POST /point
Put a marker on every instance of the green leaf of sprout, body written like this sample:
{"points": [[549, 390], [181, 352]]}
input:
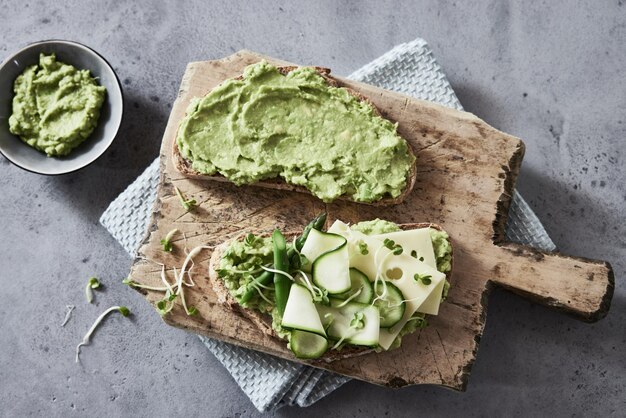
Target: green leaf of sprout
{"points": [[192, 311], [250, 240], [363, 247], [93, 283], [124, 310], [167, 245], [358, 320], [188, 204], [424, 278]]}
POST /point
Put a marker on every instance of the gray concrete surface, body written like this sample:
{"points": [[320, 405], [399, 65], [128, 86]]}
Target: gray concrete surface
{"points": [[550, 73]]}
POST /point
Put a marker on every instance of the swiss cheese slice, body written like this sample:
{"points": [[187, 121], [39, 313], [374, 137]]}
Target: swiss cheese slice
{"points": [[403, 265], [419, 240]]}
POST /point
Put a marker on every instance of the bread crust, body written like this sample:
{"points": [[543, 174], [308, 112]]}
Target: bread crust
{"points": [[183, 165], [264, 321]]}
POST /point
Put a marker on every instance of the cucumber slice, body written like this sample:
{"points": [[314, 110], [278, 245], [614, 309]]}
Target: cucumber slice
{"points": [[359, 282], [337, 322], [318, 243], [392, 306], [331, 270], [300, 312], [307, 345]]}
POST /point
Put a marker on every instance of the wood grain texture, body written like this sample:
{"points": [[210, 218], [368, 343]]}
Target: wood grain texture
{"points": [[466, 174]]}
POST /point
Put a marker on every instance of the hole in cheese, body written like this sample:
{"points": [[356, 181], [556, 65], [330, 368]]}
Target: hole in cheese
{"points": [[394, 273]]}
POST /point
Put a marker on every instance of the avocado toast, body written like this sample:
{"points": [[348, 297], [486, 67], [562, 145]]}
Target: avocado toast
{"points": [[294, 128], [337, 306]]}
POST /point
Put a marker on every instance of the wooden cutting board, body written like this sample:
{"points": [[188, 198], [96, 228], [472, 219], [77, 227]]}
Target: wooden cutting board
{"points": [[466, 175]]}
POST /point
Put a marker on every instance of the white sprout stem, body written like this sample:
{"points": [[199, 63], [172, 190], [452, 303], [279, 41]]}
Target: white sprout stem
{"points": [[68, 314], [330, 322], [341, 340], [170, 234], [345, 302], [262, 295], [89, 292], [284, 273], [190, 283], [179, 288], [380, 275], [179, 194], [164, 279], [395, 305], [185, 249], [262, 286], [307, 282], [85, 340], [414, 318], [143, 286], [179, 276]]}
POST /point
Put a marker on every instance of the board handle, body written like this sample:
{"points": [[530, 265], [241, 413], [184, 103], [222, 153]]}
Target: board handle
{"points": [[577, 286]]}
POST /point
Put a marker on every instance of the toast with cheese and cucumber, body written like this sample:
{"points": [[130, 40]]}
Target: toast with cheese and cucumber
{"points": [[337, 293], [295, 128]]}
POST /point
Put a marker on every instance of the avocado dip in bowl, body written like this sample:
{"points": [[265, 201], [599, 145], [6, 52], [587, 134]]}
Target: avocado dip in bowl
{"points": [[61, 107]]}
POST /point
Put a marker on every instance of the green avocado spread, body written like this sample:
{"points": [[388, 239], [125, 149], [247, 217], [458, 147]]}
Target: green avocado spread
{"points": [[241, 264], [56, 106], [297, 127]]}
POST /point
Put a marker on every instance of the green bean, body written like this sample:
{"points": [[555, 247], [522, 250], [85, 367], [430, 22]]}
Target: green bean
{"points": [[281, 283], [266, 277]]}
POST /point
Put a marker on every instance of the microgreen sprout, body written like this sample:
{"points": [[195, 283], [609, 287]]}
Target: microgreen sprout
{"points": [[390, 244], [424, 278], [297, 260], [328, 320], [353, 296], [414, 254], [167, 241], [320, 295], [358, 320], [422, 322], [176, 289], [121, 309], [129, 282], [93, 283], [188, 204], [284, 273], [356, 323], [363, 247], [68, 314], [251, 240], [180, 283]]}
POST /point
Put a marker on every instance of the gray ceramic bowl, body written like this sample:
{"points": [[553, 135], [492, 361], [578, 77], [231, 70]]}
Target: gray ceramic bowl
{"points": [[80, 57]]}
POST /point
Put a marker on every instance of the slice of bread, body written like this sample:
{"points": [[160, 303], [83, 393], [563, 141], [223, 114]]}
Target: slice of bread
{"points": [[184, 166], [264, 321]]}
